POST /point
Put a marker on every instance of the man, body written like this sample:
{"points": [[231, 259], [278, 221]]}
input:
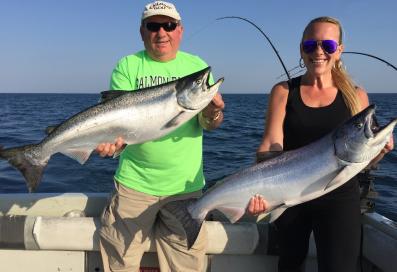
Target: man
{"points": [[152, 174]]}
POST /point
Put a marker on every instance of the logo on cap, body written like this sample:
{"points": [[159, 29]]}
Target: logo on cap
{"points": [[160, 5]]}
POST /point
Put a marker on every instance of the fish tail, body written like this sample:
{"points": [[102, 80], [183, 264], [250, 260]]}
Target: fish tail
{"points": [[192, 226], [23, 159]]}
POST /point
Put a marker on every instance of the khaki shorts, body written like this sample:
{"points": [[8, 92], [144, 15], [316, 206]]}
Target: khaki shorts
{"points": [[131, 218]]}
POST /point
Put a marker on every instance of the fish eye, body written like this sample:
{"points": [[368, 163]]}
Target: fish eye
{"points": [[359, 125], [375, 128], [198, 81]]}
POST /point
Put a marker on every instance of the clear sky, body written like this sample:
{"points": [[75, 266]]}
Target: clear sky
{"points": [[72, 45]]}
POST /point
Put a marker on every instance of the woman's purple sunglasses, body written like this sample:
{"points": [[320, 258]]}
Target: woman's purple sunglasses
{"points": [[329, 46]]}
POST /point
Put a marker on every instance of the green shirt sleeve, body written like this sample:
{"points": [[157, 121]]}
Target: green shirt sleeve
{"points": [[120, 79]]}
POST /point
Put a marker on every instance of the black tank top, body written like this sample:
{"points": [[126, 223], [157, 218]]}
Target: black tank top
{"points": [[303, 124]]}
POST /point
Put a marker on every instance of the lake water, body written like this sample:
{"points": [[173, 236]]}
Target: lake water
{"points": [[24, 117]]}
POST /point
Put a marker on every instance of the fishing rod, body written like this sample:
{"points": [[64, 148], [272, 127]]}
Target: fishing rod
{"points": [[263, 33], [289, 71], [347, 52], [371, 56]]}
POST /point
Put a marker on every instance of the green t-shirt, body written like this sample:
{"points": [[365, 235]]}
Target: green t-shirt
{"points": [[172, 164]]}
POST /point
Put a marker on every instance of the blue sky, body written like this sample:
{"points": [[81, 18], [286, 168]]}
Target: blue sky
{"points": [[72, 45]]}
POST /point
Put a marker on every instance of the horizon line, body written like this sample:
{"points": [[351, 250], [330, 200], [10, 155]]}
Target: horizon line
{"points": [[77, 92]]}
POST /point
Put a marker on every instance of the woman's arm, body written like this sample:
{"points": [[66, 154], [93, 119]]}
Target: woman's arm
{"points": [[272, 139]]}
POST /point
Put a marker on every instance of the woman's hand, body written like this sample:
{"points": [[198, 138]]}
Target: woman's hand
{"points": [[257, 205], [388, 147]]}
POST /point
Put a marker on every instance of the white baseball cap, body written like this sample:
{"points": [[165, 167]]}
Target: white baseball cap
{"points": [[160, 8]]}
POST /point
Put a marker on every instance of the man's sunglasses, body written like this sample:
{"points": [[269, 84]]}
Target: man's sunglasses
{"points": [[329, 46], [168, 26]]}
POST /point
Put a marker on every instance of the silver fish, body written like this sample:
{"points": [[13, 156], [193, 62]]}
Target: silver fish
{"points": [[138, 116], [294, 176]]}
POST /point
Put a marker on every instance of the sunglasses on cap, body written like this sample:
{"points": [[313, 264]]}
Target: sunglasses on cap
{"points": [[329, 46], [154, 27]]}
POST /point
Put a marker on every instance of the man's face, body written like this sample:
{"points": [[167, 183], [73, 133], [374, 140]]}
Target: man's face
{"points": [[161, 45]]}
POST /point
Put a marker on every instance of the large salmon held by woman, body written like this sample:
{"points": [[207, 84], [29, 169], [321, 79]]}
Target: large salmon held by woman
{"points": [[293, 177]]}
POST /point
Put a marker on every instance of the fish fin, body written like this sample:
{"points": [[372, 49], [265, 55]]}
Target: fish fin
{"points": [[21, 159], [336, 179], [118, 152], [80, 155], [345, 174], [262, 216], [232, 213], [276, 213], [316, 194], [305, 198], [109, 95], [50, 129], [175, 121], [191, 226]]}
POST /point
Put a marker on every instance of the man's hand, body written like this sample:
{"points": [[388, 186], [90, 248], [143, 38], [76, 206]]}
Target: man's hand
{"points": [[108, 149], [211, 116], [257, 205], [212, 110]]}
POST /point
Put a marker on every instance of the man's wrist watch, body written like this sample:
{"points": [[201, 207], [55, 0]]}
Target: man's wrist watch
{"points": [[209, 120]]}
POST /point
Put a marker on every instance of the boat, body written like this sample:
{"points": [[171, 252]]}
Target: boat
{"points": [[59, 232]]}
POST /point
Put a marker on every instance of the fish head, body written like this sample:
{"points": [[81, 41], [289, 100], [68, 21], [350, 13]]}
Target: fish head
{"points": [[194, 91], [361, 139]]}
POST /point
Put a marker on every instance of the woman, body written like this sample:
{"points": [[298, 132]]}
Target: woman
{"points": [[300, 112]]}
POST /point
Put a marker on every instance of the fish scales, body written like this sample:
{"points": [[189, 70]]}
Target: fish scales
{"points": [[294, 177], [137, 116]]}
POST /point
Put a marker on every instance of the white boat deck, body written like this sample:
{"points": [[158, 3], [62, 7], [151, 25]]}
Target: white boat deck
{"points": [[39, 232]]}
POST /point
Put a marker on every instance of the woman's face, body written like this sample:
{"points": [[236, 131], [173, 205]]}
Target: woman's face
{"points": [[319, 62]]}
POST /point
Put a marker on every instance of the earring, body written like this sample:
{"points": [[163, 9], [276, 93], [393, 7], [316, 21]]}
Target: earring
{"points": [[301, 63], [338, 64]]}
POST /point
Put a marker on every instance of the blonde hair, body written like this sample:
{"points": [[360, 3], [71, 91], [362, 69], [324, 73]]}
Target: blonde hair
{"points": [[340, 76]]}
